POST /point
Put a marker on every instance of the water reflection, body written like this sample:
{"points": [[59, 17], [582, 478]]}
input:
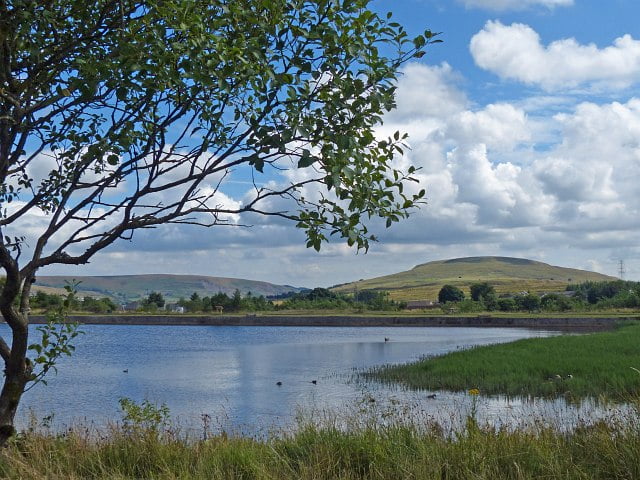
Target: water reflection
{"points": [[230, 373]]}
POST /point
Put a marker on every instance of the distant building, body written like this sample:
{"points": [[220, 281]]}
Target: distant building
{"points": [[566, 293], [131, 306], [421, 305], [174, 308]]}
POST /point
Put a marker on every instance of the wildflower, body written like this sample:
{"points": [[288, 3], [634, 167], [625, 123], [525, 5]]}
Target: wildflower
{"points": [[474, 391]]}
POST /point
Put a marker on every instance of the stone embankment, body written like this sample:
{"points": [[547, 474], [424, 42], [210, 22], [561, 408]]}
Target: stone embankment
{"points": [[350, 321]]}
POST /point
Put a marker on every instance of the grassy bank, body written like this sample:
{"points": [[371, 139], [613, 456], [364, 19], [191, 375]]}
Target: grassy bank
{"points": [[588, 365], [600, 451]]}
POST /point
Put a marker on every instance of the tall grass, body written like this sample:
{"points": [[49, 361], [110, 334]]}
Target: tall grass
{"points": [[576, 366], [398, 451]]}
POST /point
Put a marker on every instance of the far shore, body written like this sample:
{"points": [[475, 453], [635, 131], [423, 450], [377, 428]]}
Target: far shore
{"points": [[603, 322]]}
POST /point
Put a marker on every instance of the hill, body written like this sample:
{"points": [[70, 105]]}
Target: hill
{"points": [[172, 287], [506, 274]]}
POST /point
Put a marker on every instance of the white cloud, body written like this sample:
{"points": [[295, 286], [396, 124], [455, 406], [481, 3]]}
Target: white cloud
{"points": [[498, 126], [515, 52], [503, 5], [599, 156], [428, 92]]}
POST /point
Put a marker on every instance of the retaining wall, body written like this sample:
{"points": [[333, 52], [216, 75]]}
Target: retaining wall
{"points": [[349, 321]]}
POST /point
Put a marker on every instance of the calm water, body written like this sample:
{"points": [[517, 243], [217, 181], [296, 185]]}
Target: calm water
{"points": [[230, 373]]}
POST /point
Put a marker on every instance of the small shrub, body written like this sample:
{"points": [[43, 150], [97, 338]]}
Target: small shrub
{"points": [[144, 416]]}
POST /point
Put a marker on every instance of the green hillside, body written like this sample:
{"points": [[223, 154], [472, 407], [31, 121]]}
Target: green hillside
{"points": [[506, 274], [172, 287]]}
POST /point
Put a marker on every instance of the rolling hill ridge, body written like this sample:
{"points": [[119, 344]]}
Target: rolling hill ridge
{"points": [[506, 274], [134, 287]]}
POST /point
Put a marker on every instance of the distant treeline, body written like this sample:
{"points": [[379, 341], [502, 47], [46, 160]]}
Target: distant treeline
{"points": [[51, 301], [230, 304], [616, 294], [325, 299], [316, 299], [587, 296]]}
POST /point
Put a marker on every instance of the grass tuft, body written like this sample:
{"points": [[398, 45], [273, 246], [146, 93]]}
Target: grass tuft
{"points": [[599, 451]]}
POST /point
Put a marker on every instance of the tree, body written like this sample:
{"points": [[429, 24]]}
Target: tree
{"points": [[95, 305], [236, 301], [529, 302], [481, 290], [206, 304], [142, 109], [507, 305], [195, 303], [554, 302], [155, 299], [450, 293]]}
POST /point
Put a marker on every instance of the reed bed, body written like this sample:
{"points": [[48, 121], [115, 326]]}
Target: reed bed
{"points": [[605, 364]]}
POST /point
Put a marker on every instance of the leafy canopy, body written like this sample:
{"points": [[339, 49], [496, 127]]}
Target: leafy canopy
{"points": [[450, 293], [481, 291], [141, 110]]}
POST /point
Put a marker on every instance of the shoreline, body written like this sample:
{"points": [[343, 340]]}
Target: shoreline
{"points": [[254, 320]]}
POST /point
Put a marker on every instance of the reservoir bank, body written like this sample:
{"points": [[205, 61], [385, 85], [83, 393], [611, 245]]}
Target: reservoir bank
{"points": [[257, 320]]}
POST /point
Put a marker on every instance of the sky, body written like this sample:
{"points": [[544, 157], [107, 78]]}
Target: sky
{"points": [[525, 122]]}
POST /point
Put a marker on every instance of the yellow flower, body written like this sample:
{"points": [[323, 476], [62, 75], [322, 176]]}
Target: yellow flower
{"points": [[474, 391]]}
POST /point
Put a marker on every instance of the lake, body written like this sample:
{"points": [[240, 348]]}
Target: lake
{"points": [[231, 373]]}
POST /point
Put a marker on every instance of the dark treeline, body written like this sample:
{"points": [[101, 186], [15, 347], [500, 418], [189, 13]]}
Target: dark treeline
{"points": [[325, 299], [234, 303], [51, 301], [587, 296], [316, 299], [616, 294]]}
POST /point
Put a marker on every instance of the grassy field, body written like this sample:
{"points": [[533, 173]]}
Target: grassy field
{"points": [[507, 275], [429, 290], [599, 451], [502, 286], [598, 364]]}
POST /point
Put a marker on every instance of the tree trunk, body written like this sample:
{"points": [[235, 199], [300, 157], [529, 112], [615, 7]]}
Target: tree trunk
{"points": [[18, 368], [17, 374], [12, 390]]}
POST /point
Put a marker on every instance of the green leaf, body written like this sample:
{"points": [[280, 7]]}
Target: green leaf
{"points": [[122, 93], [419, 41], [306, 160], [257, 162]]}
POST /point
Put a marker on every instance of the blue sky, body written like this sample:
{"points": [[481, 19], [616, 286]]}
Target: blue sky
{"points": [[526, 123]]}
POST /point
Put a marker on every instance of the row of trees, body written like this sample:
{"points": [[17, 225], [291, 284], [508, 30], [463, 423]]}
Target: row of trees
{"points": [[584, 296], [325, 299], [234, 303], [206, 304], [316, 299], [616, 294], [51, 302]]}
